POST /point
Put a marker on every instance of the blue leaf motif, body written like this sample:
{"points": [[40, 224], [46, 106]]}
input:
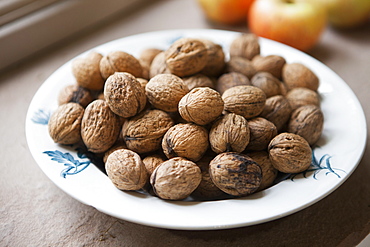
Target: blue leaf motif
{"points": [[41, 117]]}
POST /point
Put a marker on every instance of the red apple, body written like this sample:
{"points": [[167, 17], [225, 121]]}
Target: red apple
{"points": [[293, 22], [227, 12]]}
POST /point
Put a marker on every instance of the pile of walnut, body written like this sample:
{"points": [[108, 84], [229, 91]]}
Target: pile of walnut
{"points": [[189, 122]]}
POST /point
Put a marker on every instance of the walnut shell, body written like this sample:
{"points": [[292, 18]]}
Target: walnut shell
{"points": [[164, 91], [175, 179], [307, 121], [65, 123], [186, 56], [201, 105], [153, 161], [198, 80], [235, 174], [215, 59], [229, 133], [269, 172], [75, 94], [301, 96], [100, 127], [120, 61], [124, 94], [277, 110], [290, 153], [144, 132], [87, 71], [187, 140], [158, 65], [126, 170], [147, 55], [272, 63], [269, 84], [261, 133], [116, 146], [247, 101], [298, 75], [231, 79], [245, 45], [241, 65]]}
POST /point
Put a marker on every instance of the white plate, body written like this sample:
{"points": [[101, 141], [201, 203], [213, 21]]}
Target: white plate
{"points": [[340, 150]]}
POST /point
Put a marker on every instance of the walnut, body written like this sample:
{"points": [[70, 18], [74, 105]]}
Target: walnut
{"points": [[158, 66], [277, 110], [231, 79], [235, 174], [126, 170], [124, 94], [261, 133], [301, 96], [147, 55], [307, 121], [229, 133], [245, 45], [75, 94], [198, 80], [65, 123], [100, 127], [118, 145], [144, 132], [187, 140], [175, 179], [290, 153], [241, 65], [271, 63], [87, 71], [215, 59], [201, 105], [298, 75], [153, 161], [186, 56], [207, 190], [142, 82], [164, 91], [247, 101], [119, 61], [269, 172], [269, 84]]}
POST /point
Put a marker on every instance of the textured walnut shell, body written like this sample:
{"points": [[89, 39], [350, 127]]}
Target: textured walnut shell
{"points": [[269, 84], [277, 110], [201, 105], [186, 56], [144, 132], [241, 65], [147, 55], [164, 91], [269, 172], [235, 174], [301, 96], [124, 94], [307, 121], [229, 133], [215, 59], [298, 75], [119, 61], [261, 133], [207, 190], [198, 80], [65, 123], [247, 101], [100, 127], [87, 71], [158, 65], [290, 153], [153, 161], [116, 146], [245, 45], [126, 170], [175, 179], [187, 140], [229, 80], [75, 94], [272, 63]]}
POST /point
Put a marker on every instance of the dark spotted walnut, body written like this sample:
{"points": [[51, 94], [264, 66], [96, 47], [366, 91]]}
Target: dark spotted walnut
{"points": [[75, 94], [235, 174]]}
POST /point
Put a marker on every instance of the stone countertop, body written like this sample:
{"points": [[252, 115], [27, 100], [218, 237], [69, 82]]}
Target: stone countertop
{"points": [[34, 212]]}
